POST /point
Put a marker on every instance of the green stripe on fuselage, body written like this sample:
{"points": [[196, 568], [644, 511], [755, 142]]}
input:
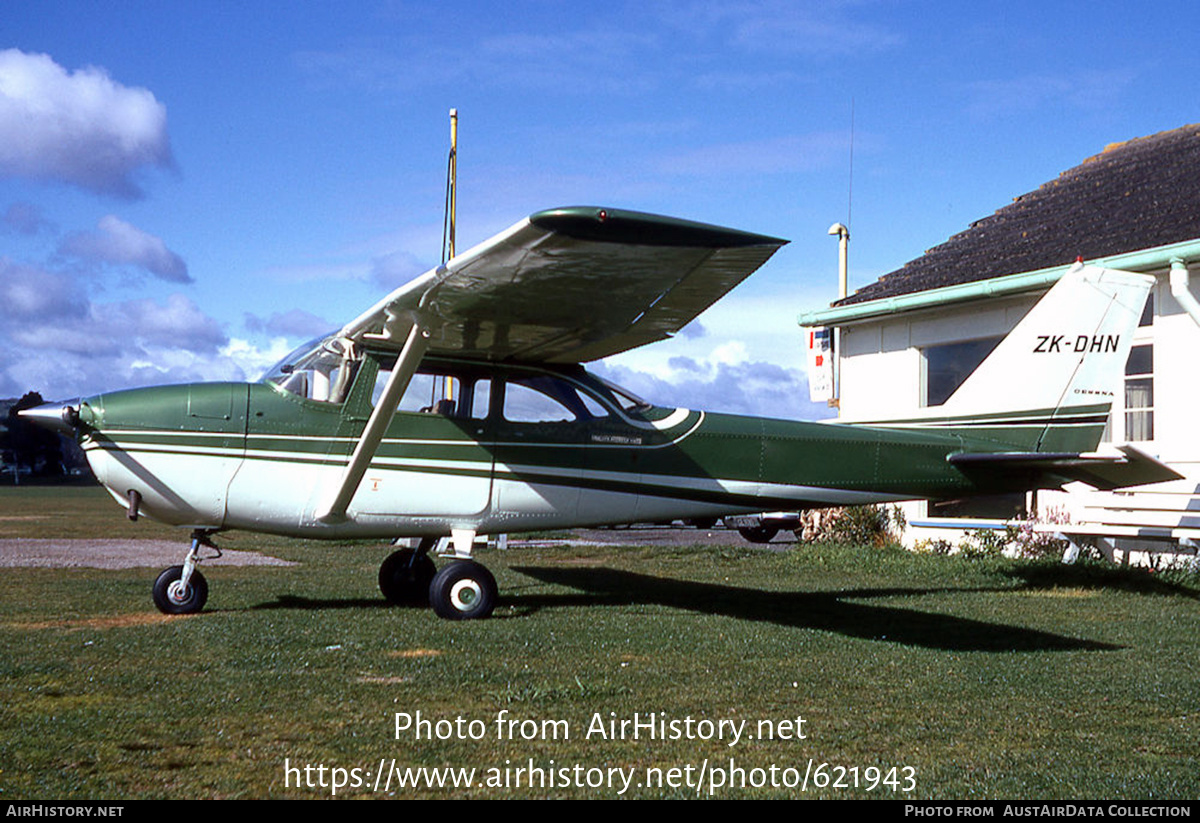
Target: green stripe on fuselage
{"points": [[692, 460]]}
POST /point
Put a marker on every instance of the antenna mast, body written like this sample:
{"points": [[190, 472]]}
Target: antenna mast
{"points": [[448, 225]]}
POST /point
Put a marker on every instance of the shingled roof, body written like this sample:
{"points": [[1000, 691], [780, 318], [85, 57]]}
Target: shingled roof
{"points": [[1134, 195]]}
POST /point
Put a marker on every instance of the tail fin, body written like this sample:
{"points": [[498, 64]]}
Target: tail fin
{"points": [[1049, 385]]}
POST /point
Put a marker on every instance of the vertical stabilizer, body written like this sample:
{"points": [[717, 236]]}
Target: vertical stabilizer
{"points": [[1049, 385], [1064, 362]]}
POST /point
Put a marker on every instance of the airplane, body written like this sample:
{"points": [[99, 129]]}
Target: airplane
{"points": [[458, 406]]}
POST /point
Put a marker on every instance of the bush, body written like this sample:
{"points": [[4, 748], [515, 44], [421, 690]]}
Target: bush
{"points": [[1032, 545], [856, 526], [984, 543], [928, 545]]}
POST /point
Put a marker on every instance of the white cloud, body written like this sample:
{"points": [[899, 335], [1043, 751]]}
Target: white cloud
{"points": [[730, 353], [723, 380], [32, 295], [80, 127], [821, 33], [1087, 90], [792, 153], [317, 273], [119, 243], [25, 218], [176, 324], [395, 269], [293, 323], [67, 321], [59, 342], [254, 360], [821, 30], [756, 389], [603, 59]]}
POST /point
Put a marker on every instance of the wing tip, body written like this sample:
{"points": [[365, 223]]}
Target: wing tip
{"points": [[607, 225]]}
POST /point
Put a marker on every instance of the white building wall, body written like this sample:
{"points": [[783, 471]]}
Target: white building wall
{"points": [[1176, 340], [882, 366]]}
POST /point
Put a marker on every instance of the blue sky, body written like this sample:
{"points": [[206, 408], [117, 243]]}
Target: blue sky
{"points": [[187, 190]]}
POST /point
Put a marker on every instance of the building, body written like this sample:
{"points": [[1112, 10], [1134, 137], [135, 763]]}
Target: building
{"points": [[909, 339]]}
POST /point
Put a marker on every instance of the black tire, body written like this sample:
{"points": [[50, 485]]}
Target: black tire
{"points": [[170, 600], [463, 590], [404, 579], [759, 534]]}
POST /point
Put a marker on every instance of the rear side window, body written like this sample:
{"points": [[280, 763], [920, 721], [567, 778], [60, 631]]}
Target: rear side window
{"points": [[545, 398]]}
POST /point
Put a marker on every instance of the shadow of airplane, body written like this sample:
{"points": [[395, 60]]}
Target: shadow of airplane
{"points": [[825, 611], [834, 611]]}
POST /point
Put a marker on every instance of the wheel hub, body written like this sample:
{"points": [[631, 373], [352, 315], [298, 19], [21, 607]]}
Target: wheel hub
{"points": [[178, 593], [464, 594]]}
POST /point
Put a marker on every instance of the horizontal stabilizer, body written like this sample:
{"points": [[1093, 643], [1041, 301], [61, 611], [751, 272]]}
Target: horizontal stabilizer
{"points": [[1129, 467]]}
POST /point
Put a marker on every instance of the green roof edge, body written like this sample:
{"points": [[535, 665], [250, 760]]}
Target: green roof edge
{"points": [[1144, 260]]}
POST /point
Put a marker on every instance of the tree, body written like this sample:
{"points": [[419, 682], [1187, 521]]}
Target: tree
{"points": [[30, 446]]}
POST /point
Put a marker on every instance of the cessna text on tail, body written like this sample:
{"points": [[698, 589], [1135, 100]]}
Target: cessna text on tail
{"points": [[458, 406]]}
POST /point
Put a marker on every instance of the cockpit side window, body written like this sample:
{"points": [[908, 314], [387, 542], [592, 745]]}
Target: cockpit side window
{"points": [[447, 392]]}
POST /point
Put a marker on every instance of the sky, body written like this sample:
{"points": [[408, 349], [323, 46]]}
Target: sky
{"points": [[189, 190]]}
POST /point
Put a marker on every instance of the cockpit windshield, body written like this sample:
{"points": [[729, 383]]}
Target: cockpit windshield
{"points": [[322, 369]]}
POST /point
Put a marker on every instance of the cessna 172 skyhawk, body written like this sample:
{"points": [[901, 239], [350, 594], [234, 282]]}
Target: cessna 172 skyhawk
{"points": [[457, 406]]}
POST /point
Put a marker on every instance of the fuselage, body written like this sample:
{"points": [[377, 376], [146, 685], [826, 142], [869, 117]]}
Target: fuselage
{"points": [[517, 448]]}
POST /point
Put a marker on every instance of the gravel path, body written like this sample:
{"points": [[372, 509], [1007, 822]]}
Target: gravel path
{"points": [[116, 554], [663, 536], [130, 554]]}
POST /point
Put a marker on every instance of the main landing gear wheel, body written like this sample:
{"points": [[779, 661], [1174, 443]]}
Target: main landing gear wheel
{"points": [[463, 590], [172, 597], [405, 576], [759, 534]]}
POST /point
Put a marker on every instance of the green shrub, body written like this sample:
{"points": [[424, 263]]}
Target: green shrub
{"points": [[928, 545], [981, 543], [861, 526]]}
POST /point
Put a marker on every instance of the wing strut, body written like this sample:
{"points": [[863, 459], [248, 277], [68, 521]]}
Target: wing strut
{"points": [[406, 366]]}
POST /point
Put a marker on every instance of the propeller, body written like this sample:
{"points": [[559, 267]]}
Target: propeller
{"points": [[61, 416]]}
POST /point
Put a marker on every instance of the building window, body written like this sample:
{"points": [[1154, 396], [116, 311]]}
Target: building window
{"points": [[1147, 312], [1139, 394], [982, 507], [948, 366]]}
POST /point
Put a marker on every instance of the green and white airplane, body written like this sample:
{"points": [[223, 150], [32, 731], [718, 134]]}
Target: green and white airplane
{"points": [[457, 406]]}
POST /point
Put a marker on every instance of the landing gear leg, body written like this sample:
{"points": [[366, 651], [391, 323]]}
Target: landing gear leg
{"points": [[405, 575], [463, 589], [183, 589]]}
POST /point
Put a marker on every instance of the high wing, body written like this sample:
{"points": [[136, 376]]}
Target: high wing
{"points": [[562, 286], [568, 285]]}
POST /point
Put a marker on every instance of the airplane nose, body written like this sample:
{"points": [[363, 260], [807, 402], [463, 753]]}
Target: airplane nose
{"points": [[60, 417]]}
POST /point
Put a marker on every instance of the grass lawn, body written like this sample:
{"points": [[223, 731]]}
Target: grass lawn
{"points": [[953, 678]]}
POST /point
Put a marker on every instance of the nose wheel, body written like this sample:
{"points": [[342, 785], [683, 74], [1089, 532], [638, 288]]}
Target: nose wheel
{"points": [[182, 589], [173, 596]]}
